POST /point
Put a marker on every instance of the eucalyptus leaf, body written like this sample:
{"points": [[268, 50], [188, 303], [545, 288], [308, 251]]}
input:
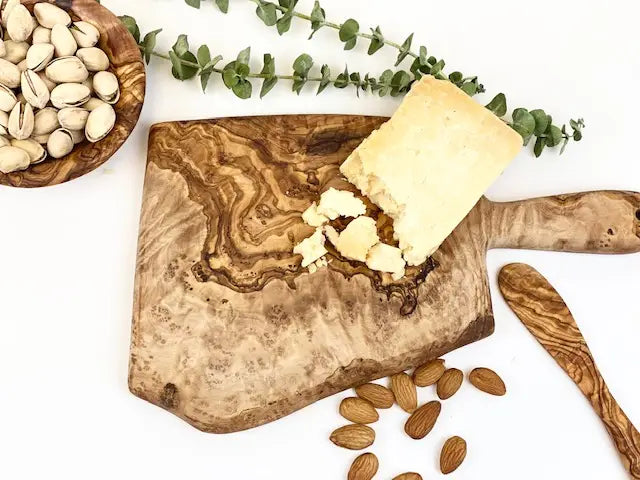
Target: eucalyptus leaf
{"points": [[455, 77], [523, 123], [405, 48], [498, 105], [193, 3], [553, 136], [244, 56], [318, 18], [284, 23], [149, 44], [242, 89], [267, 13], [377, 42], [342, 80], [180, 70], [542, 121], [204, 80], [203, 56], [229, 75], [325, 71], [470, 88], [267, 85], [303, 64], [349, 30], [539, 146], [349, 44], [269, 65], [223, 5], [298, 83], [132, 26], [181, 46]]}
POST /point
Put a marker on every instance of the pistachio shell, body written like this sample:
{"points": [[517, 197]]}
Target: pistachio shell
{"points": [[19, 24], [50, 85], [92, 104], [9, 74], [49, 15], [35, 151], [15, 52], [93, 58], [70, 95], [6, 11], [63, 41], [4, 141], [89, 84], [3, 49], [34, 89], [39, 56], [105, 84], [8, 99], [21, 121], [22, 66], [73, 118], [13, 159], [100, 123], [77, 135], [4, 123], [86, 34], [67, 70], [41, 35], [60, 143], [21, 99], [45, 121], [41, 139]]}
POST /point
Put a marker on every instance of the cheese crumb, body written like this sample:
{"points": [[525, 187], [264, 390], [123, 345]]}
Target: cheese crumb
{"points": [[386, 258], [356, 240], [312, 217], [311, 248], [340, 203]]}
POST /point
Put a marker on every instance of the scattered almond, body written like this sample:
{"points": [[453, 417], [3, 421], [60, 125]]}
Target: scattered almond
{"points": [[405, 392], [353, 437], [488, 381], [449, 383], [421, 422], [408, 476], [364, 467], [358, 410], [429, 373], [453, 453], [379, 396]]}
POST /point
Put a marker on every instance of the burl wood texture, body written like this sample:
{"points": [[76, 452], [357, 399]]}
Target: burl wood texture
{"points": [[548, 318], [229, 332], [127, 65]]}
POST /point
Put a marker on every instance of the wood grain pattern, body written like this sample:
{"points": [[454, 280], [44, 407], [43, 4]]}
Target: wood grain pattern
{"points": [[548, 318], [127, 65], [229, 332]]}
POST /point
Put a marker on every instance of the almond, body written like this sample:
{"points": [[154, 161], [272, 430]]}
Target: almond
{"points": [[353, 437], [429, 373], [364, 467], [408, 476], [488, 381], [379, 396], [405, 392], [449, 383], [453, 453], [421, 422], [358, 410]]}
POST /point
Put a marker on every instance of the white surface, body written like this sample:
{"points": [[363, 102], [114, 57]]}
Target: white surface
{"points": [[68, 254]]}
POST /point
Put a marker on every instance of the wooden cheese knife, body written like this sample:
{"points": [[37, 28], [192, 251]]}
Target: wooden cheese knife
{"points": [[547, 317]]}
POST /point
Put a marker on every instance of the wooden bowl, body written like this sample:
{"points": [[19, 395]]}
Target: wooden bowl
{"points": [[127, 65]]}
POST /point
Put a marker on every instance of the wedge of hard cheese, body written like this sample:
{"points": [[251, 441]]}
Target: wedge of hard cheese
{"points": [[430, 163]]}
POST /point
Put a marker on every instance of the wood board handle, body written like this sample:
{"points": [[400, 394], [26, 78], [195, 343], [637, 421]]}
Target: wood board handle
{"points": [[590, 222], [547, 317]]}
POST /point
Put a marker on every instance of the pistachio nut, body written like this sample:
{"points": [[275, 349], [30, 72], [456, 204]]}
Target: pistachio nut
{"points": [[41, 35], [63, 41], [41, 139], [3, 49], [34, 89], [13, 159], [45, 121], [9, 74], [60, 143], [4, 141], [92, 104], [22, 66], [8, 99], [67, 70], [39, 55], [89, 84], [93, 58], [50, 85], [70, 95], [15, 52], [21, 121], [49, 15], [4, 123], [6, 11], [105, 84], [86, 34], [21, 98], [73, 118], [35, 151], [100, 123], [19, 24], [77, 135]]}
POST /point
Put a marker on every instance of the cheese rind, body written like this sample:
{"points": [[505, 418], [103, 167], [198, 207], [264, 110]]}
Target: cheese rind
{"points": [[386, 258], [312, 217], [429, 165], [340, 203], [355, 241], [311, 248]]}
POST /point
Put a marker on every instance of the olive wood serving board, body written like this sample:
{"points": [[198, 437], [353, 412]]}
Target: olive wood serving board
{"points": [[230, 333], [541, 309]]}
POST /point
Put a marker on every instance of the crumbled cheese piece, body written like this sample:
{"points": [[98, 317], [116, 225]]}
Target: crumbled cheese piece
{"points": [[311, 248], [429, 165], [355, 241], [331, 234], [386, 258], [340, 203], [312, 217]]}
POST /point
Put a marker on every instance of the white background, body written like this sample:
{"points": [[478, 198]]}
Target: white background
{"points": [[67, 257]]}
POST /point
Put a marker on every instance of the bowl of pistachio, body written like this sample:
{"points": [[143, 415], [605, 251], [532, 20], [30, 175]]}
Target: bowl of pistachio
{"points": [[72, 84]]}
